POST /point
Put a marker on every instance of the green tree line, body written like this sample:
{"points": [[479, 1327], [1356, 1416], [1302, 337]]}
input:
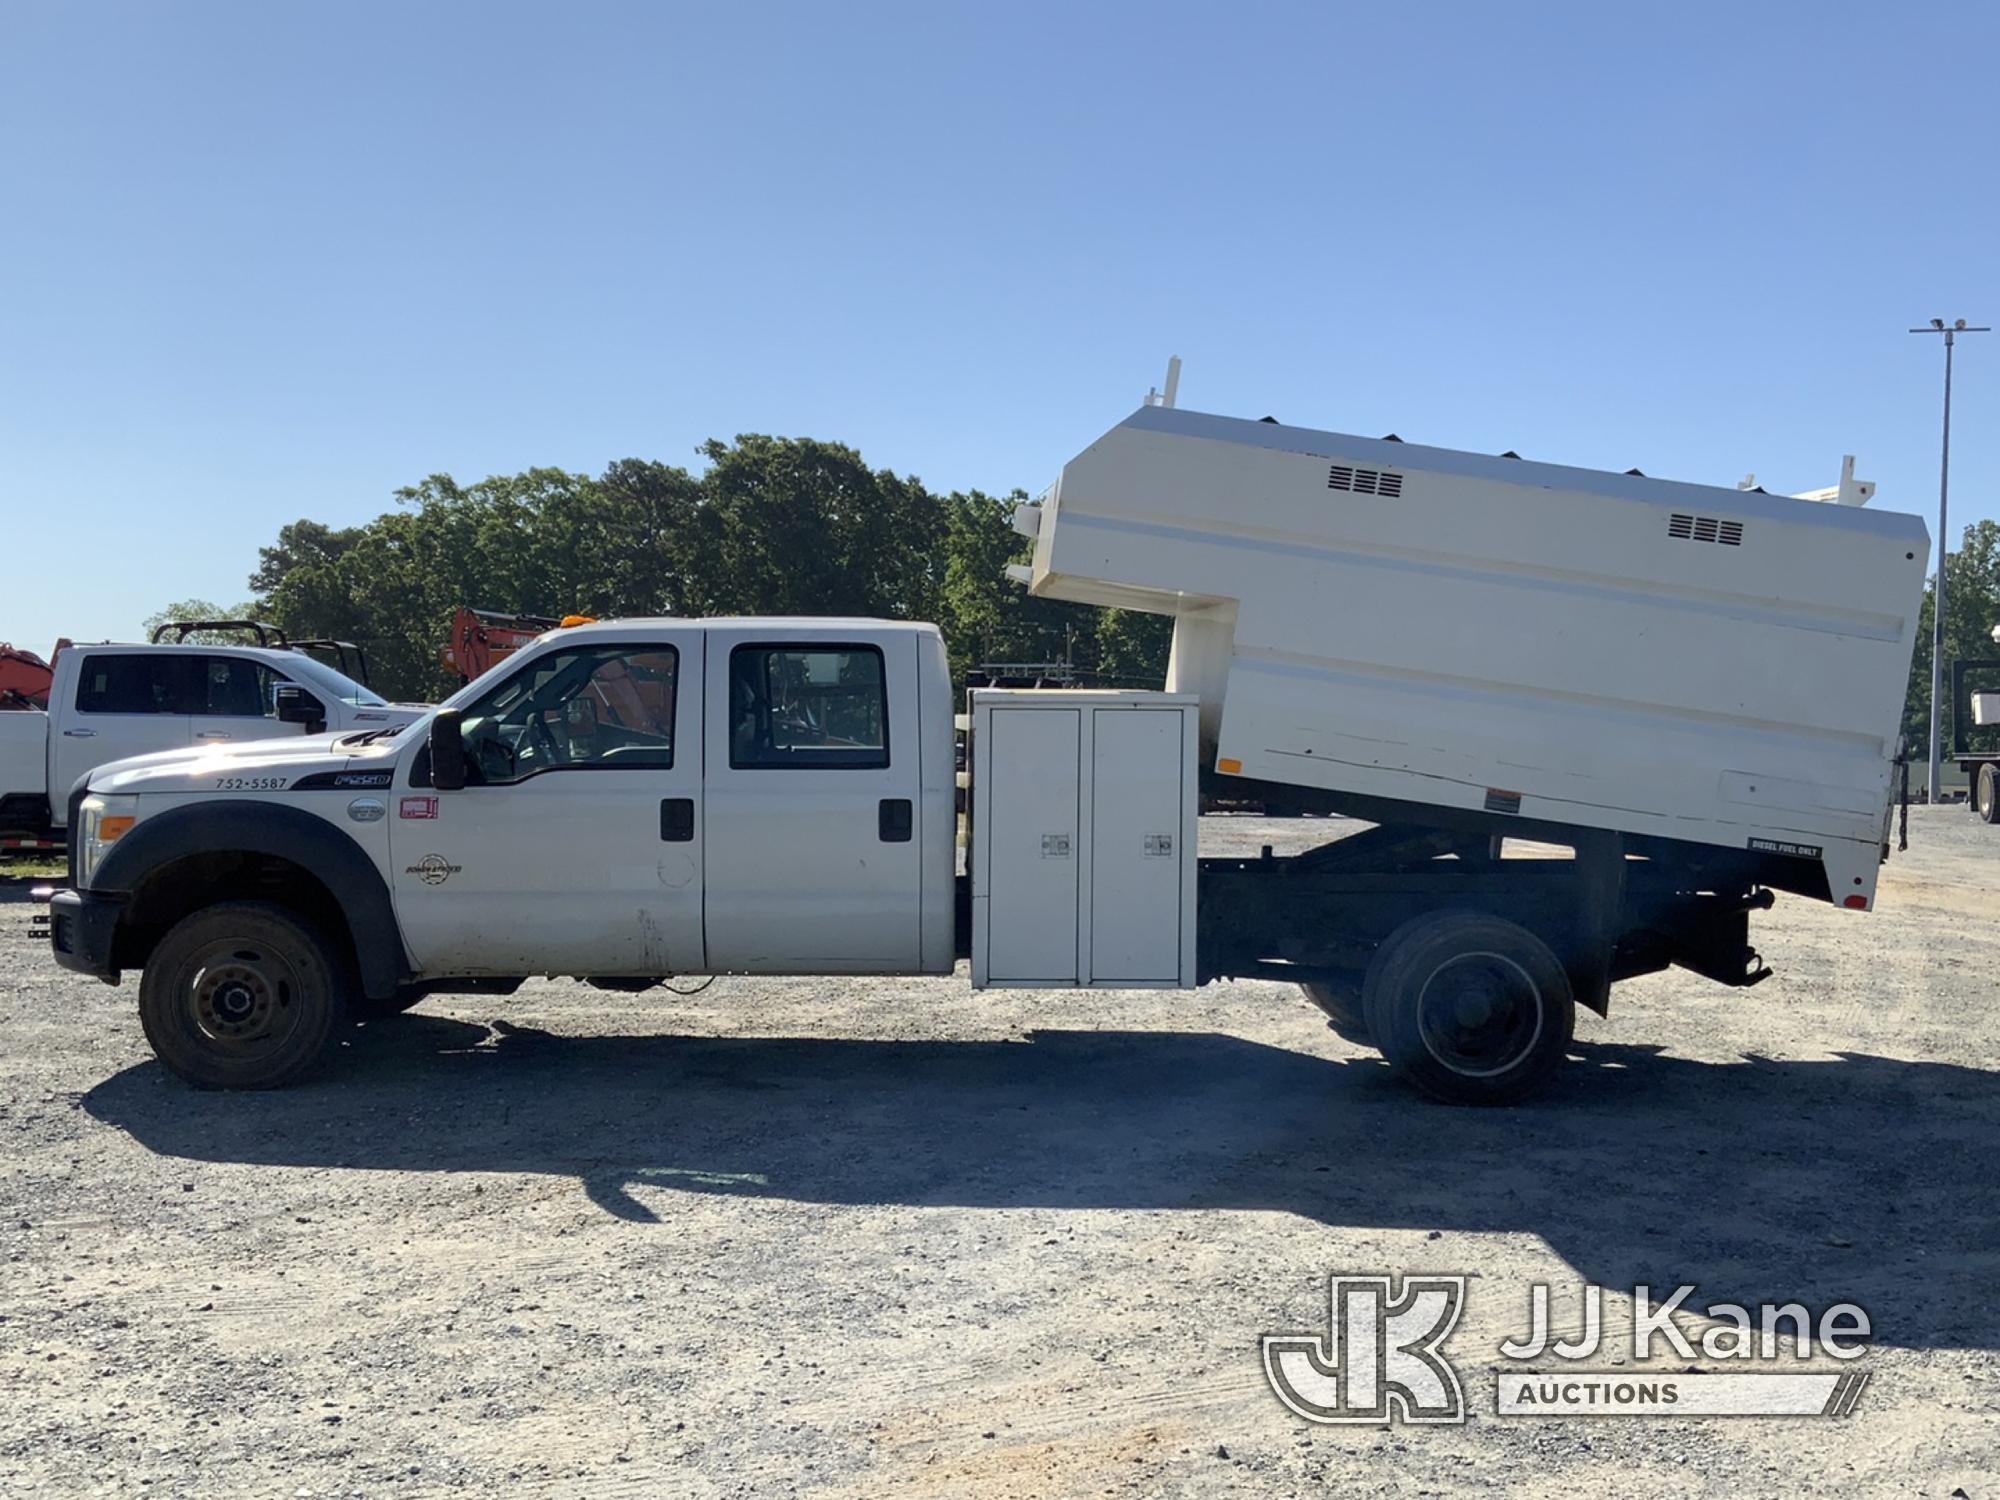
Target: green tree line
{"points": [[768, 526]]}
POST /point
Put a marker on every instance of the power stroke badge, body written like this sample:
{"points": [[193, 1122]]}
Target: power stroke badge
{"points": [[433, 869]]}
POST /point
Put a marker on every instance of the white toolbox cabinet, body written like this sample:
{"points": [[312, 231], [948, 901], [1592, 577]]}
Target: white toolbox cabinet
{"points": [[1083, 839]]}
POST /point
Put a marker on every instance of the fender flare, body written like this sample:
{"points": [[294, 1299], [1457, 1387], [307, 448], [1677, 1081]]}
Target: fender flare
{"points": [[288, 833]]}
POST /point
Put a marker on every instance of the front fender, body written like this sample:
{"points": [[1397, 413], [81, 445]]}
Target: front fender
{"points": [[276, 831]]}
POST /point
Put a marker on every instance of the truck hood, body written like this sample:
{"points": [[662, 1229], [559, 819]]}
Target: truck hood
{"points": [[281, 763]]}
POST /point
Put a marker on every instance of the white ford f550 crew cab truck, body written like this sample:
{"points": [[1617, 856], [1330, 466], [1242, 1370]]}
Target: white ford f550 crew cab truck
{"points": [[1695, 692], [111, 702]]}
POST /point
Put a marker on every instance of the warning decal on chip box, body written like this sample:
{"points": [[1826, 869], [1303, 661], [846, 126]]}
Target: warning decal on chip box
{"points": [[1779, 846]]}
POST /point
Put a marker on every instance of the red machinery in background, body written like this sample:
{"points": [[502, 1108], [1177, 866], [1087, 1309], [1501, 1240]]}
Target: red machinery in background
{"points": [[480, 637], [25, 677]]}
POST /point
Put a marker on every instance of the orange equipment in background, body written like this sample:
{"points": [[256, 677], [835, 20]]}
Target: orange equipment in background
{"points": [[25, 677], [480, 637]]}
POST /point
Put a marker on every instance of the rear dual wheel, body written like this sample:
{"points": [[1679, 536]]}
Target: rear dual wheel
{"points": [[1986, 794], [1471, 1008]]}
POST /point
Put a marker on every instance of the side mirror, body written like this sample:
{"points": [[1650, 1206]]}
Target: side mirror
{"points": [[447, 751], [297, 706]]}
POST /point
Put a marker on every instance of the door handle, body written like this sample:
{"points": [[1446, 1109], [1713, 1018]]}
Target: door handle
{"points": [[80, 734], [894, 820], [677, 820], [212, 734]]}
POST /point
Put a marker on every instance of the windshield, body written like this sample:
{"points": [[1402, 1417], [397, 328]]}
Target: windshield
{"points": [[589, 707], [318, 674]]}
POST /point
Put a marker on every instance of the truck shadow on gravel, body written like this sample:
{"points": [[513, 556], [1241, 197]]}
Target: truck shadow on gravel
{"points": [[1853, 1179]]}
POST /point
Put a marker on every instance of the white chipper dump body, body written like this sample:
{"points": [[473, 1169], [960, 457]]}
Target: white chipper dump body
{"points": [[1409, 628]]}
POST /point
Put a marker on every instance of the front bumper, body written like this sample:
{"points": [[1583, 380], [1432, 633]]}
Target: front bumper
{"points": [[82, 925]]}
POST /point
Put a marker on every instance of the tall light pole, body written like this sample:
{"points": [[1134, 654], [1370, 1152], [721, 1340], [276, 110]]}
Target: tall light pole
{"points": [[1950, 332]]}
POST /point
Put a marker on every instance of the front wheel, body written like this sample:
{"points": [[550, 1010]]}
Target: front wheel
{"points": [[1470, 1008], [242, 995], [1986, 794]]}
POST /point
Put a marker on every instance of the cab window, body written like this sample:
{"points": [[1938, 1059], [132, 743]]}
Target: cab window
{"points": [[598, 707], [139, 683], [820, 707], [235, 687]]}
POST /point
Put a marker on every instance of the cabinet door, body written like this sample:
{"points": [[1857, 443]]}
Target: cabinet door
{"points": [[1135, 854], [1031, 756]]}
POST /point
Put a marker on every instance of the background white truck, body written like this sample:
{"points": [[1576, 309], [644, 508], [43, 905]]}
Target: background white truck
{"points": [[110, 702], [1693, 691]]}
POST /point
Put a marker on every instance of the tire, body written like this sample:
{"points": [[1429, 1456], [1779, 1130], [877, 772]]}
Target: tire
{"points": [[1341, 1000], [1470, 1008], [243, 995], [1986, 794]]}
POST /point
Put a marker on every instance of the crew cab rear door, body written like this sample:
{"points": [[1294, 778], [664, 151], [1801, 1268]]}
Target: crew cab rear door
{"points": [[813, 857], [117, 703]]}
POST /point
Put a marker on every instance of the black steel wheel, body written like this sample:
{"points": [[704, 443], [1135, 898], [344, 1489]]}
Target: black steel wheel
{"points": [[1471, 1008], [242, 995]]}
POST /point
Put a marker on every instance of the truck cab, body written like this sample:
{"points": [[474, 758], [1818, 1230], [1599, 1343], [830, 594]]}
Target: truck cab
{"points": [[629, 800], [748, 796], [110, 702]]}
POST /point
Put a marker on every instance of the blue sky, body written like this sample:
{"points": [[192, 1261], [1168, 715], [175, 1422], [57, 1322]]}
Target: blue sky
{"points": [[261, 261]]}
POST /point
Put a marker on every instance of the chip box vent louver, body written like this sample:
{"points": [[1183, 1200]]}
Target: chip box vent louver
{"points": [[1688, 528], [1364, 481]]}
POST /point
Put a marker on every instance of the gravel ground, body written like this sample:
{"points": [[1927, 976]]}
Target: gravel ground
{"points": [[867, 1237]]}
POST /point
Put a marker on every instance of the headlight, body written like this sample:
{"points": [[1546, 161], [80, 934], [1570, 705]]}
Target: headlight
{"points": [[105, 819]]}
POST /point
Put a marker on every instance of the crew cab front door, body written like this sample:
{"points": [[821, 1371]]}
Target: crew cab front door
{"points": [[813, 854], [234, 699], [576, 845]]}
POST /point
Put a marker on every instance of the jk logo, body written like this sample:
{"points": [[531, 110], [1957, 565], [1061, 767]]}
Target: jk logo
{"points": [[1380, 1359]]}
